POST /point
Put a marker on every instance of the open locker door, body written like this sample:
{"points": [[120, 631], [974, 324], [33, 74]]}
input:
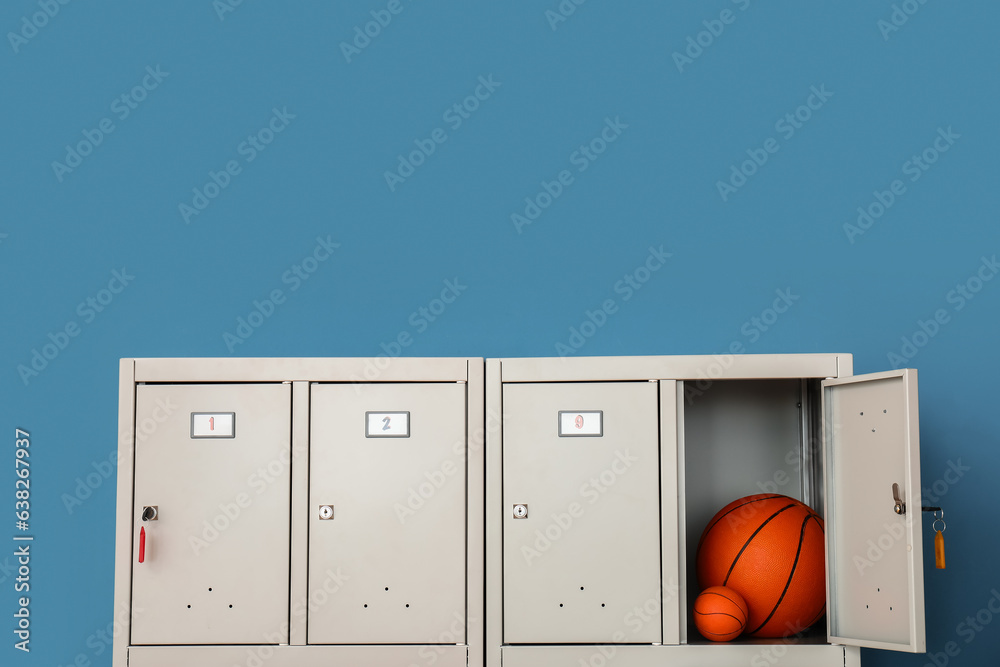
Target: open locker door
{"points": [[875, 571]]}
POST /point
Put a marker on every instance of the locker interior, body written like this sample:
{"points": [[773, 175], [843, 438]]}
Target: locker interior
{"points": [[745, 437]]}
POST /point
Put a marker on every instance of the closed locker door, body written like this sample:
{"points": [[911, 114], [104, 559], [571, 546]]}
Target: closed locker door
{"points": [[387, 526], [581, 513], [213, 461]]}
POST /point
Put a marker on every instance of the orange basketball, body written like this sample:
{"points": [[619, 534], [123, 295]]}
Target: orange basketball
{"points": [[720, 614], [769, 549]]}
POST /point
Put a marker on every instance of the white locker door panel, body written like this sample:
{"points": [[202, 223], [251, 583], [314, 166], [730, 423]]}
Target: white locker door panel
{"points": [[215, 561], [874, 555], [581, 559], [387, 564]]}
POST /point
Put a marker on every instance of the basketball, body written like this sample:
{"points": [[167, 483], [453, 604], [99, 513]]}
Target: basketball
{"points": [[769, 549], [720, 614]]}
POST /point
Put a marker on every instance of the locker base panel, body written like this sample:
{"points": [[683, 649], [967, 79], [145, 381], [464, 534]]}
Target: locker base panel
{"points": [[401, 655], [687, 655]]}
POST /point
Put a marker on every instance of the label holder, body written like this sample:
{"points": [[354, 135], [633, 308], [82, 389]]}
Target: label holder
{"points": [[579, 420], [221, 436], [381, 416]]}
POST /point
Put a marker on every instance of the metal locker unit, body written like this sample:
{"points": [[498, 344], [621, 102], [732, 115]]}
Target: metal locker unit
{"points": [[301, 512], [724, 427]]}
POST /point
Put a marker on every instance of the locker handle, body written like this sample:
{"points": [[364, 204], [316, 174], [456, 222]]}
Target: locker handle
{"points": [[142, 544], [899, 507]]}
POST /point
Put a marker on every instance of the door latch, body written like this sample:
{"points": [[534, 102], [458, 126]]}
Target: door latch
{"points": [[900, 506]]}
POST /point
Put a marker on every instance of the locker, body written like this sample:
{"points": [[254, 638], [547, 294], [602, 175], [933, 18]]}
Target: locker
{"points": [[397, 530], [723, 427], [585, 489], [222, 503], [300, 512], [366, 512]]}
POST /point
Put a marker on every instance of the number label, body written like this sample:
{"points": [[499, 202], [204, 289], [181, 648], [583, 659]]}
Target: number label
{"points": [[581, 423], [387, 424], [213, 424]]}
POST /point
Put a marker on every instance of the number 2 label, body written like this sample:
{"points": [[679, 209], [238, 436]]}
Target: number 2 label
{"points": [[387, 424]]}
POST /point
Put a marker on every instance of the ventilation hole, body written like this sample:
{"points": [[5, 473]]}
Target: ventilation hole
{"points": [[366, 606], [407, 606], [386, 588], [560, 604], [890, 608], [602, 604], [862, 414], [230, 606], [581, 588], [873, 430], [878, 590], [189, 606], [884, 411], [210, 590]]}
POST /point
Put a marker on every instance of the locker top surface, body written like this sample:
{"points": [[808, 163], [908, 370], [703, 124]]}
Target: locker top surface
{"points": [[677, 367], [314, 369]]}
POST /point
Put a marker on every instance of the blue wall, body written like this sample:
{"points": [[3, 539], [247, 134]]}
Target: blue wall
{"points": [[745, 159]]}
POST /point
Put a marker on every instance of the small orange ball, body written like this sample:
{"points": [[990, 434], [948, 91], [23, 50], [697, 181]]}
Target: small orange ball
{"points": [[720, 614]]}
